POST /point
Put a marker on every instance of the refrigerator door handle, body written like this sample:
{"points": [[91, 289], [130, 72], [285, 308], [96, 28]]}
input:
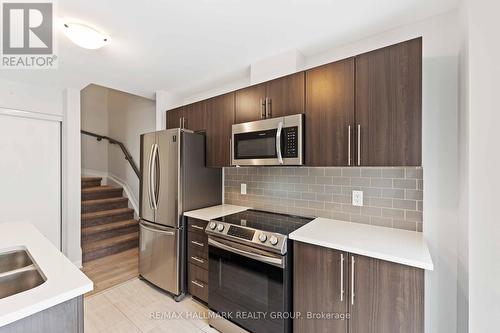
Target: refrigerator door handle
{"points": [[153, 178], [150, 188]]}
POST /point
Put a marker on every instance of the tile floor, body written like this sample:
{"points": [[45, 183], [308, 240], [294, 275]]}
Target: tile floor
{"points": [[136, 307]]}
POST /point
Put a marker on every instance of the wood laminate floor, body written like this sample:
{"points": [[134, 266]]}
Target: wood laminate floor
{"points": [[112, 270]]}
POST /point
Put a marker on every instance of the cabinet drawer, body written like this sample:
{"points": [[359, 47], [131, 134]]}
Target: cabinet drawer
{"points": [[195, 225], [199, 241], [198, 257], [198, 282]]}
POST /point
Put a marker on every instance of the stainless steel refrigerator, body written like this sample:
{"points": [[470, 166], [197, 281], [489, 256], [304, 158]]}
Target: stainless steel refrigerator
{"points": [[174, 179]]}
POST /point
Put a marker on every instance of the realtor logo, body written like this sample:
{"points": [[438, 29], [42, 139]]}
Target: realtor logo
{"points": [[28, 35]]}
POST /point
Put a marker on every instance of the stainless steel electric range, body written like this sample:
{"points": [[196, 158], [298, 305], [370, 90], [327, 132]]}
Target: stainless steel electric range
{"points": [[250, 272]]}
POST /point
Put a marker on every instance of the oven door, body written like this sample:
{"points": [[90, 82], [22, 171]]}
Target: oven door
{"points": [[276, 141], [248, 286]]}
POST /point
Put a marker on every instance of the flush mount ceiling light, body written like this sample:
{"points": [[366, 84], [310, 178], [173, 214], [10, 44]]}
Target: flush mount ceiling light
{"points": [[84, 36]]}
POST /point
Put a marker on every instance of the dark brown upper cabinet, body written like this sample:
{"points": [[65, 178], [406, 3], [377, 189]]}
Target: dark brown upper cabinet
{"points": [[389, 105], [379, 296], [219, 119], [330, 114], [175, 117], [194, 116], [276, 98], [250, 103], [285, 96]]}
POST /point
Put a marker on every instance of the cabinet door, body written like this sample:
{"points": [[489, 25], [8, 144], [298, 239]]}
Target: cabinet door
{"points": [[389, 105], [249, 103], [174, 117], [330, 114], [194, 116], [220, 118], [388, 297], [286, 95], [320, 275]]}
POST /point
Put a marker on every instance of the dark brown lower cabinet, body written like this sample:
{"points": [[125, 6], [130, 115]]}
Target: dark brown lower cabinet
{"points": [[197, 259], [379, 296], [388, 297], [319, 276]]}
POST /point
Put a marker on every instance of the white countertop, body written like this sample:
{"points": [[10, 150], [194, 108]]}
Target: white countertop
{"points": [[214, 212], [395, 245], [64, 280]]}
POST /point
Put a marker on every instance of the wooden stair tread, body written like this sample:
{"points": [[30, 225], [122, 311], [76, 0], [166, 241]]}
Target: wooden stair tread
{"points": [[108, 226], [109, 242], [103, 201], [104, 213], [91, 179], [102, 188]]}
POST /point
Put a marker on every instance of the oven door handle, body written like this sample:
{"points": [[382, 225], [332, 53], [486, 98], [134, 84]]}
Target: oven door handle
{"points": [[259, 257]]}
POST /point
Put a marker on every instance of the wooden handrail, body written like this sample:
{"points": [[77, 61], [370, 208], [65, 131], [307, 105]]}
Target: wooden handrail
{"points": [[112, 141]]}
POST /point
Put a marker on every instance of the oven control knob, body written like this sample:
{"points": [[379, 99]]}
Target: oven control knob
{"points": [[273, 240], [212, 225], [220, 227], [262, 237]]}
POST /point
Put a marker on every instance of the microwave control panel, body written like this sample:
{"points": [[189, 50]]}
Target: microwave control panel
{"points": [[291, 148]]}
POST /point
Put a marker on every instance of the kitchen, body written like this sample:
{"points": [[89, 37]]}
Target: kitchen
{"points": [[289, 197]]}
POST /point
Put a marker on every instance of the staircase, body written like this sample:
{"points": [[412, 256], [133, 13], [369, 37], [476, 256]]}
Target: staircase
{"points": [[108, 225]]}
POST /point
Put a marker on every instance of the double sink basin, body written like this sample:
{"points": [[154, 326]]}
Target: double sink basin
{"points": [[18, 272]]}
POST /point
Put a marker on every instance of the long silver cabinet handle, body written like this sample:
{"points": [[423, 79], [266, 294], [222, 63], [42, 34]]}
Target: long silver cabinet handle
{"points": [[197, 284], [197, 227], [198, 259], [341, 277], [268, 108], [278, 142], [262, 109], [349, 145], [198, 243], [359, 144], [169, 233], [352, 279]]}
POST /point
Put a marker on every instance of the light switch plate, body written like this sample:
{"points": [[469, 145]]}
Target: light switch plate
{"points": [[243, 188], [357, 198]]}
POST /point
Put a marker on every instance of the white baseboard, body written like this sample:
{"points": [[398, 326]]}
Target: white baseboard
{"points": [[111, 179], [78, 264], [128, 192]]}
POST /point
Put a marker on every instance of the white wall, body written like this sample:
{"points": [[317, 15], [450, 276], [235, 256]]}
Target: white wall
{"points": [[60, 102], [441, 38], [123, 117], [129, 117], [484, 165], [94, 118]]}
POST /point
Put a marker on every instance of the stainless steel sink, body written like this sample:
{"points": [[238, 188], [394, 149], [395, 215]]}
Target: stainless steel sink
{"points": [[18, 273], [13, 260]]}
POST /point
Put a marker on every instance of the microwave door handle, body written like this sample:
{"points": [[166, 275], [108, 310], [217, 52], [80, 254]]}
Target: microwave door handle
{"points": [[278, 142]]}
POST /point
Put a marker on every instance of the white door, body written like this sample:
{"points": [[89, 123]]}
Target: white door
{"points": [[30, 173]]}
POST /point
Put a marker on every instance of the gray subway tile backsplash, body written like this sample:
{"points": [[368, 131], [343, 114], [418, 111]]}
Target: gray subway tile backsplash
{"points": [[392, 195]]}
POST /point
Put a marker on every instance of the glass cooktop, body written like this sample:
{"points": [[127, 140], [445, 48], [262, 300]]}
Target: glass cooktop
{"points": [[266, 221]]}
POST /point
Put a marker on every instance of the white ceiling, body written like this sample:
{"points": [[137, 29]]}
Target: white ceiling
{"points": [[177, 45]]}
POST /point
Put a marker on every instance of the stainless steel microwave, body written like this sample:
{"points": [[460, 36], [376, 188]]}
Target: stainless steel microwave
{"points": [[275, 141]]}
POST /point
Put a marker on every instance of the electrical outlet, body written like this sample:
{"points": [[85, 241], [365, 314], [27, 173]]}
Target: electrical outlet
{"points": [[357, 198], [243, 188]]}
